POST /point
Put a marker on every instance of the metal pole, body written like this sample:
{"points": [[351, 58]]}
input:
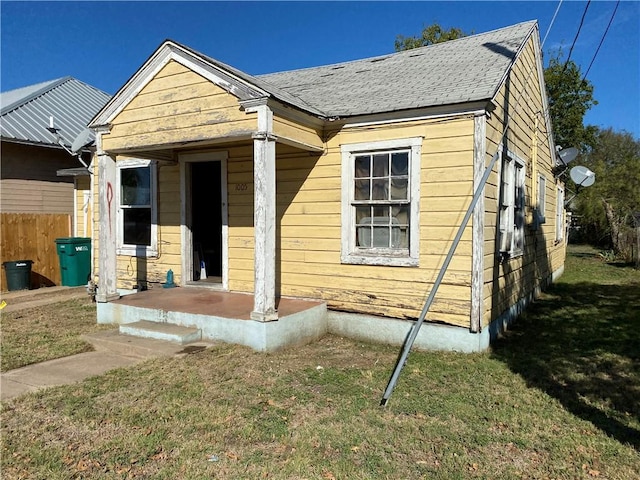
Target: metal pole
{"points": [[416, 326]]}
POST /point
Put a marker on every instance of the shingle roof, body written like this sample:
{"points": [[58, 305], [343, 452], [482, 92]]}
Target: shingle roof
{"points": [[465, 70], [257, 81], [25, 112], [469, 69]]}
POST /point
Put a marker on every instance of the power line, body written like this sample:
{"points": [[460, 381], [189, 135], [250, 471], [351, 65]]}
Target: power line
{"points": [[551, 24], [584, 14], [602, 40]]}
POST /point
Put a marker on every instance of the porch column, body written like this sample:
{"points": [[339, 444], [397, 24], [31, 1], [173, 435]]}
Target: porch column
{"points": [[264, 218], [107, 230]]}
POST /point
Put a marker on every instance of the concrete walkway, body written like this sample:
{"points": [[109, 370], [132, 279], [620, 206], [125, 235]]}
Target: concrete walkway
{"points": [[21, 299], [112, 350]]}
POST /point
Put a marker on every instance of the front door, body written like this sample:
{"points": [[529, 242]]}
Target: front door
{"points": [[204, 220]]}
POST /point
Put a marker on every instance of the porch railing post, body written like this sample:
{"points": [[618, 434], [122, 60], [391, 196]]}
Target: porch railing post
{"points": [[107, 232], [264, 175]]}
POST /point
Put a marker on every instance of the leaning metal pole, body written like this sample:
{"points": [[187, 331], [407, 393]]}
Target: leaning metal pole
{"points": [[416, 326]]}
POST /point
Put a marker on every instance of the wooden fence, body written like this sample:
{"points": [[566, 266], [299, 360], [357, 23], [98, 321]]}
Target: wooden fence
{"points": [[26, 236]]}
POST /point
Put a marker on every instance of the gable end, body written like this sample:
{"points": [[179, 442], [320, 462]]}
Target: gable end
{"points": [[167, 52]]}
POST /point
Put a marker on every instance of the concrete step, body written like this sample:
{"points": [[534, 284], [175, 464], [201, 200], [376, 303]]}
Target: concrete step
{"points": [[162, 331], [114, 342]]}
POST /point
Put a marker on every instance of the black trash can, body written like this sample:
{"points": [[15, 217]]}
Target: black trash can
{"points": [[18, 274]]}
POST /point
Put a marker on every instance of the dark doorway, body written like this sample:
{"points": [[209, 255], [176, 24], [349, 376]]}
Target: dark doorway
{"points": [[206, 221]]}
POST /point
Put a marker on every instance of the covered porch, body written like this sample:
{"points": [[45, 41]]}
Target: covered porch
{"points": [[221, 316], [179, 112]]}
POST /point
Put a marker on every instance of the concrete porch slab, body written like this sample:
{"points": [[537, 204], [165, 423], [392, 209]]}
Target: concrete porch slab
{"points": [[221, 316]]}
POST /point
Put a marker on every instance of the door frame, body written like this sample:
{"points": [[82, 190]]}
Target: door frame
{"points": [[186, 236]]}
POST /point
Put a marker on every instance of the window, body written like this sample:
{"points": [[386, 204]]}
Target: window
{"points": [[542, 199], [380, 202], [512, 204], [560, 215], [137, 208]]}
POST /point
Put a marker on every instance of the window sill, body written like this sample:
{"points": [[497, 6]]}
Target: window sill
{"points": [[133, 251], [508, 256], [380, 260]]}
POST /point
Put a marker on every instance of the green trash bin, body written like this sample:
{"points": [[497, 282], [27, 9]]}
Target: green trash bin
{"points": [[74, 254], [18, 274]]}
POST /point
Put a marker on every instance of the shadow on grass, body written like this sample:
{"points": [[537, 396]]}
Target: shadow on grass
{"points": [[580, 344]]}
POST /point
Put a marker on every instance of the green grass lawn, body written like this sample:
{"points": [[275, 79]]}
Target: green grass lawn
{"points": [[43, 333], [557, 398]]}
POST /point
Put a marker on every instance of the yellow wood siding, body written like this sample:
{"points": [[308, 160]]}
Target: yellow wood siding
{"points": [[288, 130], [83, 224], [309, 229], [240, 201], [175, 107], [505, 282]]}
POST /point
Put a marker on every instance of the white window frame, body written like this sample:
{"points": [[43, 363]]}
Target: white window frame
{"points": [[512, 207], [137, 250], [560, 224], [542, 199], [350, 253]]}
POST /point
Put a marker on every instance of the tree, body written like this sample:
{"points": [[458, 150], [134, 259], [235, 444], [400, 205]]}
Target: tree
{"points": [[606, 208], [429, 36], [570, 97]]}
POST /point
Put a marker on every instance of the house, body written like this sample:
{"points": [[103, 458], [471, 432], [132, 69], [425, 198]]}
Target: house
{"points": [[342, 186], [36, 203]]}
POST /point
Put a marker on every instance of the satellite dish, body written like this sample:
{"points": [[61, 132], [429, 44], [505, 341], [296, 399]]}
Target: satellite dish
{"points": [[582, 176], [84, 139], [568, 155]]}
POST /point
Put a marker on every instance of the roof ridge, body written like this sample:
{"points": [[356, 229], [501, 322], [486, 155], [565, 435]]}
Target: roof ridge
{"points": [[255, 80], [35, 94]]}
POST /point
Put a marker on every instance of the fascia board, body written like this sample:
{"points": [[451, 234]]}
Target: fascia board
{"points": [[167, 52], [545, 100], [291, 113], [427, 113]]}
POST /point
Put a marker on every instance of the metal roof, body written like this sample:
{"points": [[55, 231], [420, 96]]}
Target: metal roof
{"points": [[468, 69], [25, 112]]}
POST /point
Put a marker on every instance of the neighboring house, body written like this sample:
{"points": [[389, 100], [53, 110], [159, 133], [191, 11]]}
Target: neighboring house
{"points": [[345, 184], [31, 191]]}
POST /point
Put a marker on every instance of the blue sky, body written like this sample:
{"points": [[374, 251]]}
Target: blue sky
{"points": [[104, 43]]}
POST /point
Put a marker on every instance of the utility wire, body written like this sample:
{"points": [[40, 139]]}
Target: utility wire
{"points": [[552, 20], [584, 14], [601, 40]]}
